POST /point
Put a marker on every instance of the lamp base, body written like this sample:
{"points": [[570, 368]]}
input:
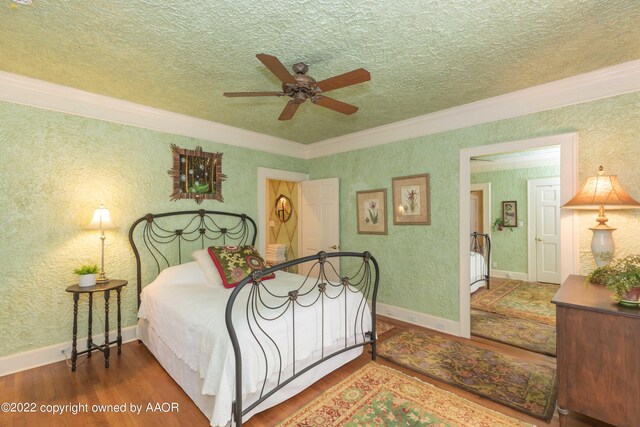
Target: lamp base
{"points": [[602, 245], [102, 278]]}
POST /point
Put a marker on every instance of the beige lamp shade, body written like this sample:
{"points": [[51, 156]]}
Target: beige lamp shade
{"points": [[602, 190], [101, 220]]}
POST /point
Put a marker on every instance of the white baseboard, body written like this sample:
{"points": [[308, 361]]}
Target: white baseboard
{"points": [[509, 274], [53, 353], [420, 319]]}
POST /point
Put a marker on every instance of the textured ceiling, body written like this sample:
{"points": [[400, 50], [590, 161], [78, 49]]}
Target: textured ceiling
{"points": [[423, 56]]}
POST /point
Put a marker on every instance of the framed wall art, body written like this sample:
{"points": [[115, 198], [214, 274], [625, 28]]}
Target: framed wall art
{"points": [[371, 206], [510, 214], [411, 200], [196, 174]]}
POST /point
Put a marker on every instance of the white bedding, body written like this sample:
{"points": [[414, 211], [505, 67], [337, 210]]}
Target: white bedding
{"points": [[477, 269], [187, 314]]}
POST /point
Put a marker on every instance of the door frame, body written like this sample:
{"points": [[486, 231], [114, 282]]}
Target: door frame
{"points": [[265, 174], [485, 187], [568, 143], [532, 224]]}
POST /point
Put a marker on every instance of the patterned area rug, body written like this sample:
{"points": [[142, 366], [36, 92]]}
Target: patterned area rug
{"points": [[383, 327], [523, 333], [379, 396], [524, 300], [523, 386]]}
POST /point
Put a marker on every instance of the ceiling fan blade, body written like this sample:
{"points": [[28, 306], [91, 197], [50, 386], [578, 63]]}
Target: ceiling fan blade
{"points": [[275, 66], [289, 110], [235, 94], [343, 80], [335, 105]]}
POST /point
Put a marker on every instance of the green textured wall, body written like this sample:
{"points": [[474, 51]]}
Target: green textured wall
{"points": [[420, 263], [54, 170], [509, 248]]}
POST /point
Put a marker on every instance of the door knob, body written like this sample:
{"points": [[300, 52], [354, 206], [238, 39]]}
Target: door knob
{"points": [[539, 239], [333, 247]]}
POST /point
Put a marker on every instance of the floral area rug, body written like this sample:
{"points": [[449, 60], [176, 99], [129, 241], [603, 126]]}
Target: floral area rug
{"points": [[524, 300], [524, 386], [523, 333], [383, 327], [379, 396]]}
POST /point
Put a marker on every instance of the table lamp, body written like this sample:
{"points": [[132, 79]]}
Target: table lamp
{"points": [[101, 221], [602, 192]]}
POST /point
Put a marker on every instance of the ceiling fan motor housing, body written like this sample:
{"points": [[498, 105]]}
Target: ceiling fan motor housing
{"points": [[306, 85]]}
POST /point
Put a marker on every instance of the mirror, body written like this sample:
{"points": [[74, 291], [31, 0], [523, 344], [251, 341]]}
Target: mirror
{"points": [[283, 208]]}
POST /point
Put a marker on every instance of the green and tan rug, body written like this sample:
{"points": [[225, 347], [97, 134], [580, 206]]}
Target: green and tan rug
{"points": [[524, 386], [523, 333], [379, 396], [516, 298], [383, 327]]}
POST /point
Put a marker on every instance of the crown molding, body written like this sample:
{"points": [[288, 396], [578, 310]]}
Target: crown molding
{"points": [[604, 83], [37, 93]]}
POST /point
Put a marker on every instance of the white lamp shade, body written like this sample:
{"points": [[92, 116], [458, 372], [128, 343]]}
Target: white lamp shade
{"points": [[101, 220]]}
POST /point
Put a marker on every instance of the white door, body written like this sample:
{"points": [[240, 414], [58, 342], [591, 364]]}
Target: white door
{"points": [[320, 203], [547, 230]]}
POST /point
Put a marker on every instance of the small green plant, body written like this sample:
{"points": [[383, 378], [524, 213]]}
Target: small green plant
{"points": [[86, 269], [498, 224], [619, 277]]}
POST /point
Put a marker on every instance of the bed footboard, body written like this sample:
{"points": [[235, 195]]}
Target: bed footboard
{"points": [[335, 310]]}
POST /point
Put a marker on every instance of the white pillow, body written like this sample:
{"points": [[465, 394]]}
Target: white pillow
{"points": [[182, 274], [204, 261]]}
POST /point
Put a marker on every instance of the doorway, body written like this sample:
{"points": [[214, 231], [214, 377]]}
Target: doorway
{"points": [[318, 219], [480, 208], [264, 175], [282, 222], [568, 234]]}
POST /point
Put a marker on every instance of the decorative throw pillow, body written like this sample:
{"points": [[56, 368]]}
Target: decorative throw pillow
{"points": [[236, 262], [204, 261]]}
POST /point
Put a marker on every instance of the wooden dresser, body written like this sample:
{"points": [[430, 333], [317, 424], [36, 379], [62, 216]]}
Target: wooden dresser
{"points": [[598, 354]]}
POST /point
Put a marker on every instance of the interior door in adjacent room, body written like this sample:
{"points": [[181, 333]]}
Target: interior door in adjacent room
{"points": [[320, 205], [545, 198]]}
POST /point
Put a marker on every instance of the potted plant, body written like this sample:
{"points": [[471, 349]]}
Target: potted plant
{"points": [[87, 275], [498, 224], [621, 278]]}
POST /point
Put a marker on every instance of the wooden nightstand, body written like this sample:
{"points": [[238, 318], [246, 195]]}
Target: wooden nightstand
{"points": [[111, 285]]}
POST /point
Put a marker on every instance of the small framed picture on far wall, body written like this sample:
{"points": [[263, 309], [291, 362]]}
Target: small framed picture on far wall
{"points": [[510, 213]]}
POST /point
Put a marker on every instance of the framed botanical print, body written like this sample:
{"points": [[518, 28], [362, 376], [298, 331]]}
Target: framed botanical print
{"points": [[411, 200], [196, 174], [371, 206], [510, 214]]}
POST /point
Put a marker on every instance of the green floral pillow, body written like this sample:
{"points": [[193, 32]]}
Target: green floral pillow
{"points": [[236, 262]]}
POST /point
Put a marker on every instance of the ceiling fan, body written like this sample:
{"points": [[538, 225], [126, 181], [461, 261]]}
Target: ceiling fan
{"points": [[300, 87]]}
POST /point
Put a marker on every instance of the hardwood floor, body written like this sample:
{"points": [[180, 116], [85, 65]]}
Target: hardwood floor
{"points": [[135, 377]]}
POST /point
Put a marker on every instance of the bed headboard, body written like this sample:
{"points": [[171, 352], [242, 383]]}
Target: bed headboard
{"points": [[164, 238]]}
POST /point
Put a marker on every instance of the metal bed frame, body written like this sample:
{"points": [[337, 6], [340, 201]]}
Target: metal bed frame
{"points": [[165, 245], [481, 243]]}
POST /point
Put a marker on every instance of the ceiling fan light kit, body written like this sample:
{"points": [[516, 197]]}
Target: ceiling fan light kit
{"points": [[300, 87]]}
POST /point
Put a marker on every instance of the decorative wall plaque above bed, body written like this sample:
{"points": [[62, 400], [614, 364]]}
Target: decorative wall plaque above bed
{"points": [[196, 174]]}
